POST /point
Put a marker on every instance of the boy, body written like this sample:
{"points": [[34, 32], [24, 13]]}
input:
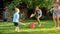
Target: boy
{"points": [[16, 19], [38, 14]]}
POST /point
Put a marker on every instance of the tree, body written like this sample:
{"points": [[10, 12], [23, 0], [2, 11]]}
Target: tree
{"points": [[31, 4]]}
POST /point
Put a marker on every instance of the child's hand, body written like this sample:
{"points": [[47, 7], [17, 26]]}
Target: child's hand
{"points": [[31, 15]]}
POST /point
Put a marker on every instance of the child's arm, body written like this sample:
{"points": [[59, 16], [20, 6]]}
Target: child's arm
{"points": [[32, 15]]}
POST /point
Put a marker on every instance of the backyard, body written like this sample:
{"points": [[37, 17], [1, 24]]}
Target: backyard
{"points": [[46, 28]]}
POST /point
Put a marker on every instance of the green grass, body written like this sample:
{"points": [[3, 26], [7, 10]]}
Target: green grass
{"points": [[46, 28]]}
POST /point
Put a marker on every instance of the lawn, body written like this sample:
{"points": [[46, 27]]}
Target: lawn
{"points": [[46, 28]]}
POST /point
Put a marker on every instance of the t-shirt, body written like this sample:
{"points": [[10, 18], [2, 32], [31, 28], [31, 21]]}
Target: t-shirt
{"points": [[16, 17]]}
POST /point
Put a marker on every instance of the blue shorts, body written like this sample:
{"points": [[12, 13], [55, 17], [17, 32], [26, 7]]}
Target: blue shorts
{"points": [[37, 15], [59, 12], [55, 12]]}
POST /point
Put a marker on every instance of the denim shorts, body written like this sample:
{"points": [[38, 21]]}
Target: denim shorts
{"points": [[55, 12]]}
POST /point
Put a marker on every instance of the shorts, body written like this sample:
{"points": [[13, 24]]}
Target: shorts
{"points": [[55, 12], [59, 12], [38, 15], [15, 24]]}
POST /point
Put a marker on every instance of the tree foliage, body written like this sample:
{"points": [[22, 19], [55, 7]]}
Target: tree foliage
{"points": [[31, 3]]}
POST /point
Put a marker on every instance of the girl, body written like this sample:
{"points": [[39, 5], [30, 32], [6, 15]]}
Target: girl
{"points": [[55, 13], [38, 14]]}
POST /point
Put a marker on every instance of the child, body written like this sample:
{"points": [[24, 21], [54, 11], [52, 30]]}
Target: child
{"points": [[55, 13], [38, 14], [16, 19]]}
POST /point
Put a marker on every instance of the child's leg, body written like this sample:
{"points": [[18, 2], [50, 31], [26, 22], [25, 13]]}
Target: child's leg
{"points": [[38, 19], [58, 20], [54, 19], [16, 28]]}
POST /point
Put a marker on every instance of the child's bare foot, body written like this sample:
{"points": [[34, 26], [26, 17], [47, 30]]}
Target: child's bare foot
{"points": [[39, 25], [17, 31]]}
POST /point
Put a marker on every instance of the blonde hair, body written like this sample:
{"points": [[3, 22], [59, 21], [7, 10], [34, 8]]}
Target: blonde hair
{"points": [[16, 9]]}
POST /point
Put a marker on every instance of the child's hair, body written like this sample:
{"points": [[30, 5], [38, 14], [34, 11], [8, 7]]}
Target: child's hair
{"points": [[38, 7], [16, 9]]}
